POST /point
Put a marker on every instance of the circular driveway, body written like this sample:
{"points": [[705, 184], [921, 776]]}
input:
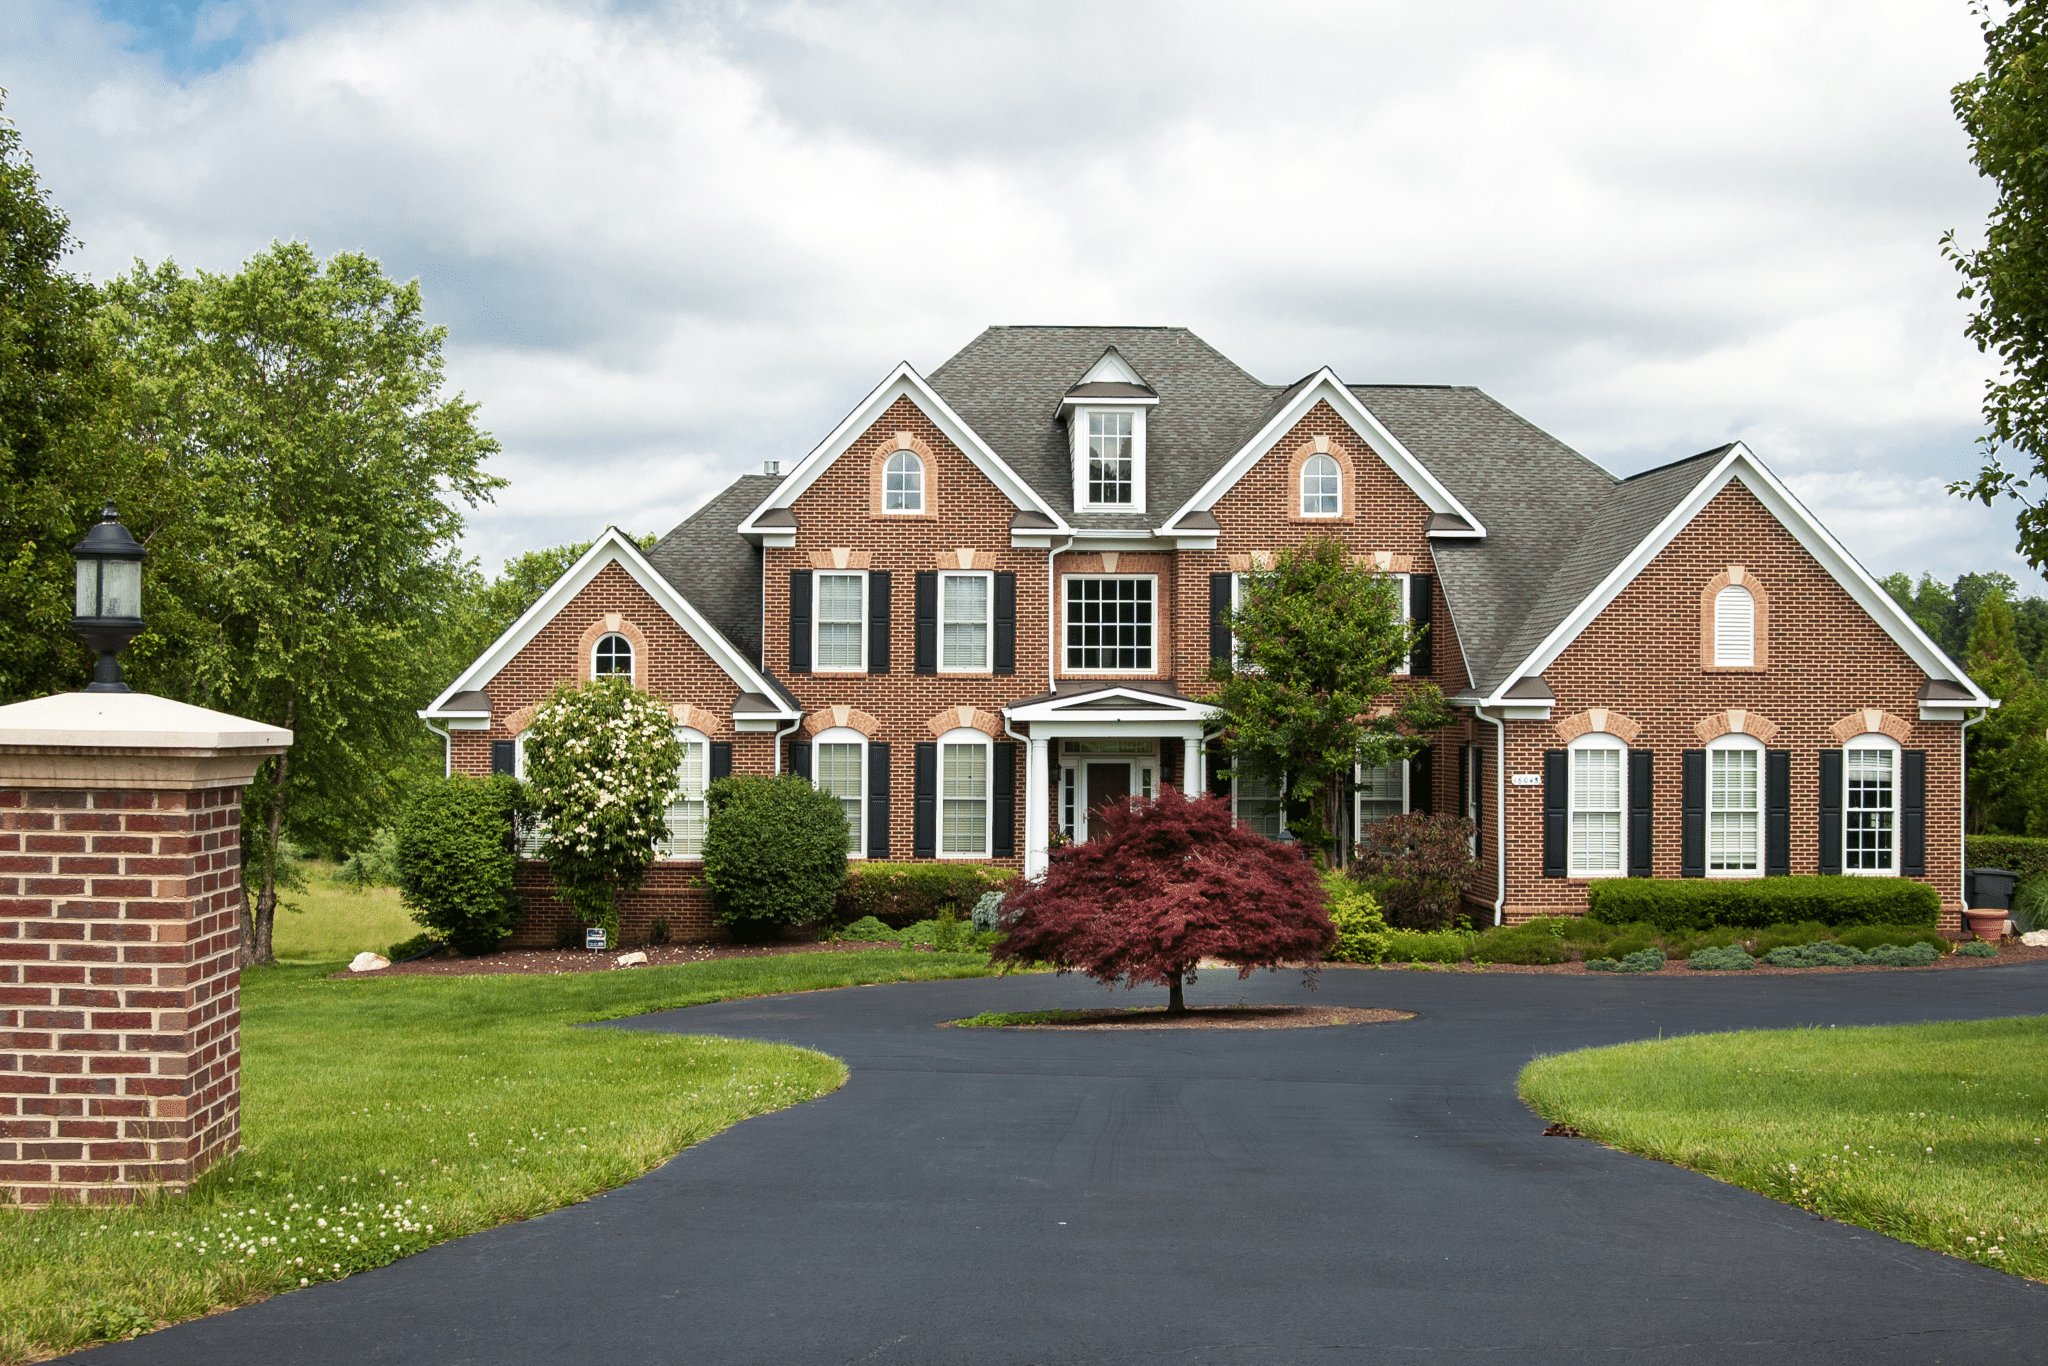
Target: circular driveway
{"points": [[1370, 1193]]}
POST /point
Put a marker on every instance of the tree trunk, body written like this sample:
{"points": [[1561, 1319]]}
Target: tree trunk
{"points": [[266, 900], [1333, 823], [1176, 1004]]}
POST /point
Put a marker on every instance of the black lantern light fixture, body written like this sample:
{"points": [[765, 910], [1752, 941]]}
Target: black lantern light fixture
{"points": [[109, 608]]}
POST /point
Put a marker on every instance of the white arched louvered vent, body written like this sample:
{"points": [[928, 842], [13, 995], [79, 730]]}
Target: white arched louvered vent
{"points": [[1734, 627]]}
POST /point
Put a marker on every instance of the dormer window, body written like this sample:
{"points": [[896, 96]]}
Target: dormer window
{"points": [[903, 483], [1105, 416], [1109, 459]]}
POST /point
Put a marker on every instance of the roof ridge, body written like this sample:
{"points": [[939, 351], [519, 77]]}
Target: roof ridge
{"points": [[1721, 449]]}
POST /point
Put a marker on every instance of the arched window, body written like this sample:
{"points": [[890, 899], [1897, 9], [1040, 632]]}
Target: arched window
{"points": [[1599, 806], [1735, 792], [1734, 628], [1870, 806], [686, 815], [903, 483], [1322, 487], [964, 771], [839, 767], [613, 655]]}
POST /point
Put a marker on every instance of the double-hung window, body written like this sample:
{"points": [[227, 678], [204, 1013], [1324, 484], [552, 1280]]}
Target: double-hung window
{"points": [[1599, 806], [841, 622], [685, 816], [1382, 792], [963, 795], [1110, 624], [963, 623], [839, 763], [1870, 767], [1735, 786], [1258, 805], [903, 483], [1111, 459]]}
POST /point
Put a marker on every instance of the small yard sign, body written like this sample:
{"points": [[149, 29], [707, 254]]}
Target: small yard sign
{"points": [[1527, 780], [593, 939]]}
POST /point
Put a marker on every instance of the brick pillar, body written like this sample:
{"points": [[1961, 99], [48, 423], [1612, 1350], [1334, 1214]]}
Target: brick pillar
{"points": [[120, 898]]}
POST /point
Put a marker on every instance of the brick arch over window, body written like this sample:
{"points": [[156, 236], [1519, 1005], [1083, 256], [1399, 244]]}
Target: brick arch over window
{"points": [[1735, 721], [606, 625], [1868, 720], [518, 721], [848, 718], [966, 718], [701, 719], [904, 441], [1622, 728], [1736, 576], [1347, 480]]}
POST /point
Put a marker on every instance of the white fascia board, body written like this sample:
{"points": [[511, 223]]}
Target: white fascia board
{"points": [[614, 546], [1147, 707], [903, 382], [1741, 464], [1953, 711], [1326, 386], [1074, 401]]}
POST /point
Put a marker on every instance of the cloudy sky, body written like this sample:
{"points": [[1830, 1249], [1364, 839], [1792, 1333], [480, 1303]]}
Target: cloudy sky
{"points": [[670, 241]]}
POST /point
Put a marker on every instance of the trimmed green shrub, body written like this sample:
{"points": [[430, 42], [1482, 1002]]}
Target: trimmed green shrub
{"points": [[868, 930], [1361, 929], [2022, 854], [902, 894], [417, 946], [987, 915], [1824, 954], [1728, 959], [1642, 960], [1536, 941], [1698, 903], [774, 853], [1870, 938], [1979, 948], [1423, 946], [1904, 955], [454, 848]]}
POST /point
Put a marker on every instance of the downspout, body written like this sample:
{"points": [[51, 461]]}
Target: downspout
{"points": [[776, 743], [1052, 613], [1500, 807], [1963, 806], [447, 749]]}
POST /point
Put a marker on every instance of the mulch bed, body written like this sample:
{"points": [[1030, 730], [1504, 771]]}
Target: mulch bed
{"points": [[1219, 1017], [2012, 951], [582, 960]]}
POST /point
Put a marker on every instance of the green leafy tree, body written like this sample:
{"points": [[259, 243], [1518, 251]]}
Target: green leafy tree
{"points": [[2004, 110], [1311, 692], [601, 765], [305, 550], [2007, 756], [1931, 605], [454, 852], [775, 854]]}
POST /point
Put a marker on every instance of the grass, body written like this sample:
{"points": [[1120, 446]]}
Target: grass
{"points": [[996, 1019], [1932, 1134], [328, 920], [406, 1111]]}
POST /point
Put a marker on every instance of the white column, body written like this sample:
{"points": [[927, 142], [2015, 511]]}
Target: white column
{"points": [[1193, 782], [1037, 809]]}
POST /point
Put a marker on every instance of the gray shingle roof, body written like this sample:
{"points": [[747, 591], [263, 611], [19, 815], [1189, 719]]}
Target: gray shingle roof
{"points": [[716, 568]]}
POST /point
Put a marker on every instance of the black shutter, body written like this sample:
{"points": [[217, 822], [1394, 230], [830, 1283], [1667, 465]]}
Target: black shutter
{"points": [[1831, 811], [924, 827], [1219, 774], [1219, 616], [1692, 814], [1913, 813], [1479, 805], [800, 759], [505, 756], [721, 759], [878, 621], [878, 800], [1421, 663], [1006, 623], [1641, 792], [1464, 779], [927, 661], [1003, 809], [1556, 768], [799, 621], [1778, 813], [1421, 793]]}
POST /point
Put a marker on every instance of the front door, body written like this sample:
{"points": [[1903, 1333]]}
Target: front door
{"points": [[1106, 783]]}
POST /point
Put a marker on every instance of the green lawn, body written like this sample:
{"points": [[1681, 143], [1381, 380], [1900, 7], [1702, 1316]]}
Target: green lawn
{"points": [[381, 1116], [326, 920], [1932, 1134]]}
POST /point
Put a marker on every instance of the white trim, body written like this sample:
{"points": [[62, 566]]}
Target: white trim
{"points": [[1082, 714], [1600, 740], [614, 546], [988, 621], [1741, 464], [1080, 452], [1071, 672], [1874, 739], [1301, 488], [632, 656], [847, 735], [903, 382], [1721, 744], [686, 735], [960, 736], [1324, 385], [818, 577]]}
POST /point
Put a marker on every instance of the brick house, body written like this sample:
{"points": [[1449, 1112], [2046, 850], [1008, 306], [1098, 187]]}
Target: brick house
{"points": [[988, 601]]}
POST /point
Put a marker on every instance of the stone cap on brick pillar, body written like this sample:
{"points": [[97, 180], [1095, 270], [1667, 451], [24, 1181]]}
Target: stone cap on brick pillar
{"points": [[129, 740]]}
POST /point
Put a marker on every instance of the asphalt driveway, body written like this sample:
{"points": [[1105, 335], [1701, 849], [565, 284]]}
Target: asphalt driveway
{"points": [[1370, 1193]]}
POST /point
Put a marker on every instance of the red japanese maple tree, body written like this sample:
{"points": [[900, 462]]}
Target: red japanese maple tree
{"points": [[1169, 883]]}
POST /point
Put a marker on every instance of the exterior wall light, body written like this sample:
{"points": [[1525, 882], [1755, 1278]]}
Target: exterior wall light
{"points": [[108, 613]]}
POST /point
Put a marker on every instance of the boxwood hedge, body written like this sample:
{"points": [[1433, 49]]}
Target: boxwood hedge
{"points": [[900, 894], [1701, 903], [2022, 854]]}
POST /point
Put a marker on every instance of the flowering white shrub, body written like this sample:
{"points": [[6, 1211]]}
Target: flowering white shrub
{"points": [[601, 765]]}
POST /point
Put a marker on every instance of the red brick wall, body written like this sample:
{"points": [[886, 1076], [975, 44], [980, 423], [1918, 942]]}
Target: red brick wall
{"points": [[120, 1018]]}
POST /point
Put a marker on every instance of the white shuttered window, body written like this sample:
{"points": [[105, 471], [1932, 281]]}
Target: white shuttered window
{"points": [[685, 815], [1734, 627]]}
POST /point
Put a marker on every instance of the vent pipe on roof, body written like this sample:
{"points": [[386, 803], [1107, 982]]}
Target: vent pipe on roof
{"points": [[771, 467]]}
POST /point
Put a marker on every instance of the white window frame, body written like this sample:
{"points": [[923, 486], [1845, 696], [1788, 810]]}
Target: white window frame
{"points": [[818, 578], [1067, 668], [1722, 745], [966, 736], [1078, 425], [1358, 793], [632, 656], [1301, 487], [1747, 660], [529, 848], [1280, 797], [846, 735], [1868, 741], [1475, 799], [915, 459], [1405, 587], [1596, 740], [666, 851], [988, 621]]}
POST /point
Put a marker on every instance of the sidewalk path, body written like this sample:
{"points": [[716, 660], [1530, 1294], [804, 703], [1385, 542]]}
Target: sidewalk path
{"points": [[1361, 1194]]}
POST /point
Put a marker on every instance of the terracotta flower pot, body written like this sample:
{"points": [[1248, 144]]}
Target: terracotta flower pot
{"points": [[1988, 925]]}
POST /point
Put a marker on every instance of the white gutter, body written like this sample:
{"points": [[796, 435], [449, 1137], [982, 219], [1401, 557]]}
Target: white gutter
{"points": [[1052, 613], [776, 744], [1500, 787], [1963, 811], [447, 749]]}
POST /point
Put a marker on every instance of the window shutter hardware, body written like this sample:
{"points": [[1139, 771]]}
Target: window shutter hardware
{"points": [[1556, 820], [1778, 813], [927, 604], [799, 621], [1692, 808], [1641, 810], [878, 621]]}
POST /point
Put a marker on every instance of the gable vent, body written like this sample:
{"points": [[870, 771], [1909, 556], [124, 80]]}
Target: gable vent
{"points": [[1734, 627]]}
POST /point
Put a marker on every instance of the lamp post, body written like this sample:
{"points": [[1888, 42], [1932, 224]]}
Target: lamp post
{"points": [[108, 613]]}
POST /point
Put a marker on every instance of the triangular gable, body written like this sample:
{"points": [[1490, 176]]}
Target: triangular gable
{"points": [[1324, 386], [613, 547], [904, 382], [1112, 368], [1108, 703], [1741, 464]]}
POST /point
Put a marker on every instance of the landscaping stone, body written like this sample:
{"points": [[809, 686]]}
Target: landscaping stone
{"points": [[2035, 939], [636, 959], [368, 962]]}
